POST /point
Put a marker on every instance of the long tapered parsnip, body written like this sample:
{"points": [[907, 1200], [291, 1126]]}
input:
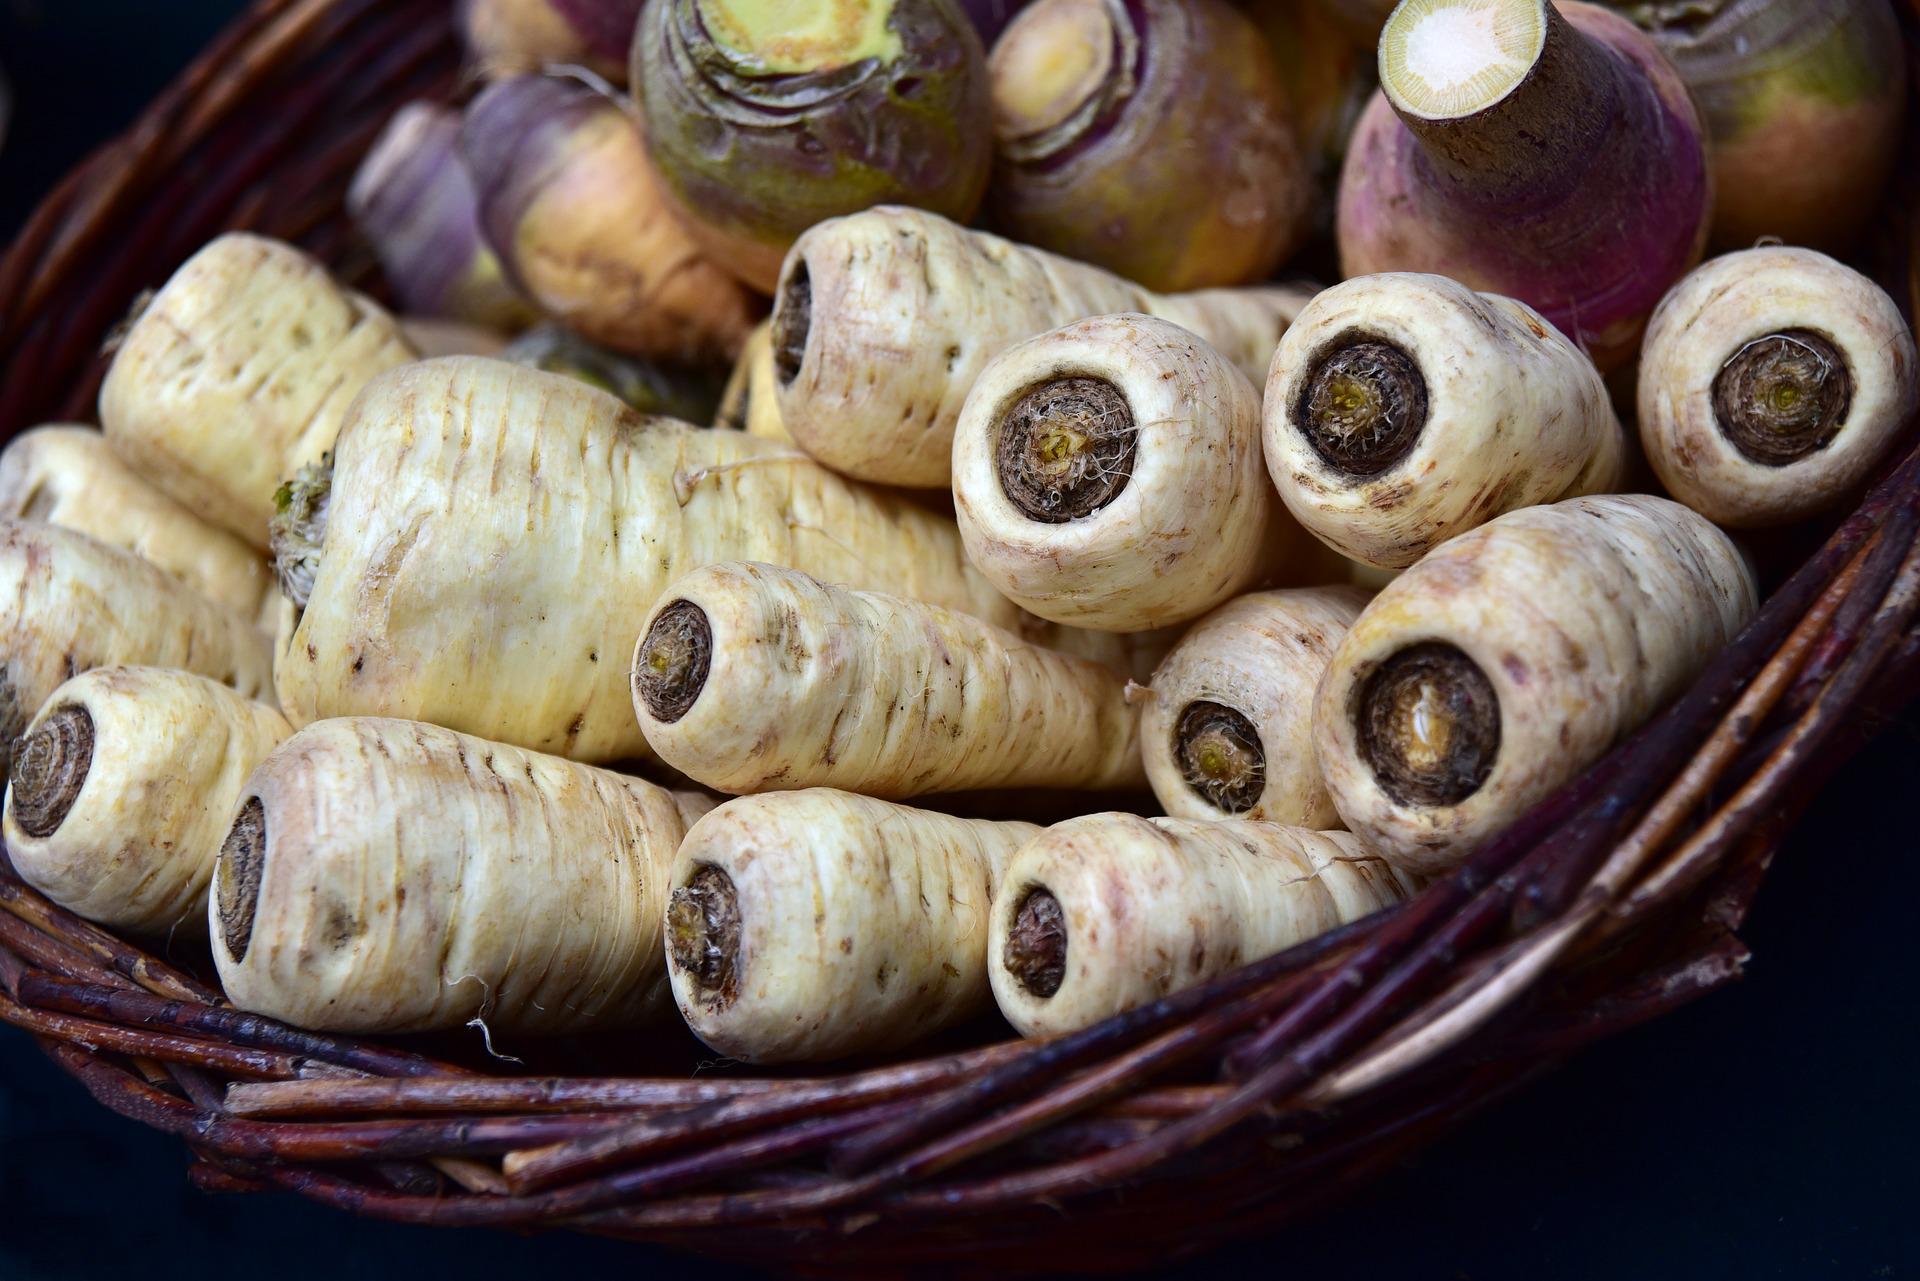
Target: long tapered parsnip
{"points": [[1227, 729], [751, 402], [1512, 657], [72, 603], [884, 320], [495, 537], [1100, 914], [817, 924], [751, 677], [238, 373], [122, 789], [1771, 382], [69, 476], [383, 875], [1107, 474], [1404, 408]]}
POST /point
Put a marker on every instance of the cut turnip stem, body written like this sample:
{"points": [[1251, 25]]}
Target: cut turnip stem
{"points": [[1771, 383], [1548, 154]]}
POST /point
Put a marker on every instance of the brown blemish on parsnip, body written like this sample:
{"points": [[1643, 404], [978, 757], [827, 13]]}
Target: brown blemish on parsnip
{"points": [[703, 932], [1036, 949], [49, 768], [1363, 403], [1782, 396], [243, 858], [1066, 448], [1220, 755], [671, 668], [1429, 725]]}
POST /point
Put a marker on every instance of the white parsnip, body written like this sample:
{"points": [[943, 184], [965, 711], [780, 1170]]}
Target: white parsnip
{"points": [[751, 402], [1512, 657], [69, 476], [817, 924], [751, 677], [1403, 408], [387, 876], [1107, 474], [73, 604], [496, 536], [1104, 913], [238, 373], [884, 319], [1227, 728], [1771, 382], [122, 789]]}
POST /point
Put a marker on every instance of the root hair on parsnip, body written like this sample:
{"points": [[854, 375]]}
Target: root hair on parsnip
{"points": [[1220, 755], [1363, 403], [243, 858], [1429, 725], [1036, 948], [50, 766], [703, 932], [1066, 448], [671, 668]]}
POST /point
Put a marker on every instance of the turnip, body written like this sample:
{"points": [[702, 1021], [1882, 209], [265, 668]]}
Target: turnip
{"points": [[69, 476], [511, 37], [885, 319], [765, 118], [490, 541], [817, 924], [1100, 914], [238, 373], [122, 790], [386, 876], [1155, 139], [1771, 383], [1403, 409], [1546, 153], [1107, 474], [753, 677], [1227, 728], [1512, 657]]}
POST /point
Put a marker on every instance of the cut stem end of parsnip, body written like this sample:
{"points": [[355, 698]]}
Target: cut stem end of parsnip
{"points": [[50, 766], [1036, 947], [792, 319], [299, 527], [670, 668], [703, 932], [1429, 725], [1066, 449], [1782, 396], [1363, 404], [237, 876], [1220, 755], [1443, 59]]}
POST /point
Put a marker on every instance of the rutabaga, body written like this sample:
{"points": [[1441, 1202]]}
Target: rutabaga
{"points": [[1512, 657], [753, 677], [122, 790], [386, 876], [817, 924], [1403, 409]]}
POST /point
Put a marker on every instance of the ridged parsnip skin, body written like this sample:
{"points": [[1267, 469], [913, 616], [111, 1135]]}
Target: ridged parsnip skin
{"points": [[171, 751], [72, 603], [1585, 616], [1516, 415], [907, 308], [1261, 656], [862, 924], [1195, 522], [1154, 905], [240, 372], [1706, 322], [810, 685], [497, 536], [69, 476], [413, 878], [751, 402]]}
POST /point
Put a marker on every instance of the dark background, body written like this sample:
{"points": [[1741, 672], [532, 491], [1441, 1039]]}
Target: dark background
{"points": [[1766, 1132]]}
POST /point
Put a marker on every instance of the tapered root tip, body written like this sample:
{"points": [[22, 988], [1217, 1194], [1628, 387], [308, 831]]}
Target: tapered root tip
{"points": [[792, 319], [670, 667], [1066, 449], [703, 932], [1036, 949], [1362, 405], [1442, 59], [243, 857], [1429, 725], [1782, 396], [1220, 756], [50, 766]]}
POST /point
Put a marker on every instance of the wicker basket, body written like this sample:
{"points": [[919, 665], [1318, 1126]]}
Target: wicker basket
{"points": [[1232, 1107]]}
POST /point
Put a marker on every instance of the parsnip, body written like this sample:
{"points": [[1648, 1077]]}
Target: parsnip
{"points": [[1771, 382], [1227, 729], [69, 476], [1107, 474], [239, 372], [1403, 409], [74, 604], [817, 924], [751, 677], [751, 401], [1512, 657], [1100, 914], [386, 876], [884, 320], [495, 537], [122, 790]]}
